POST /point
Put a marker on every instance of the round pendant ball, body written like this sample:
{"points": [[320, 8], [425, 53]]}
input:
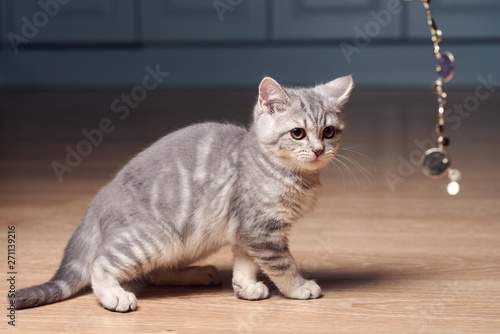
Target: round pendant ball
{"points": [[445, 66], [453, 188], [436, 162]]}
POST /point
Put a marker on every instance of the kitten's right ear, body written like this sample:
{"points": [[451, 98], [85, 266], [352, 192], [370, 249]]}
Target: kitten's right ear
{"points": [[272, 98], [338, 90]]}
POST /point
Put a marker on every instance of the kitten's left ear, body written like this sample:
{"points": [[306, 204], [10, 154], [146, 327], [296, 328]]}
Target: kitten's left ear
{"points": [[337, 90], [272, 98]]}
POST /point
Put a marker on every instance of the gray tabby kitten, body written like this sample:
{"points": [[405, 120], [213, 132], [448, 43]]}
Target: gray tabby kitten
{"points": [[201, 188]]}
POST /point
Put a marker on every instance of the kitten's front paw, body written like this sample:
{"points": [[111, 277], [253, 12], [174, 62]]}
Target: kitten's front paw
{"points": [[251, 291], [119, 301], [308, 290]]}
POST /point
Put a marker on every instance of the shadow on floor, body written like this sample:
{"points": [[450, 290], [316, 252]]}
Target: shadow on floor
{"points": [[328, 280]]}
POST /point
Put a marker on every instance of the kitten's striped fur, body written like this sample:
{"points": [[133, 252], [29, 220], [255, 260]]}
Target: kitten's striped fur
{"points": [[203, 187]]}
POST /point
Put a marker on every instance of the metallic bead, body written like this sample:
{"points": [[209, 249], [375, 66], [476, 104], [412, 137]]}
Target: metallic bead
{"points": [[436, 163], [445, 66], [439, 129], [432, 24], [453, 188], [454, 174], [436, 50], [445, 141], [437, 36], [437, 87]]}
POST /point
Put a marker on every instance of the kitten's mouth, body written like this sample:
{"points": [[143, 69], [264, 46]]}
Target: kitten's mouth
{"points": [[317, 162], [319, 157]]}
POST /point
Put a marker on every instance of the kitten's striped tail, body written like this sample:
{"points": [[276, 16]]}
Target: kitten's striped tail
{"points": [[72, 276]]}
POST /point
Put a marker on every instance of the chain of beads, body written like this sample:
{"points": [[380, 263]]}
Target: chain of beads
{"points": [[445, 68]]}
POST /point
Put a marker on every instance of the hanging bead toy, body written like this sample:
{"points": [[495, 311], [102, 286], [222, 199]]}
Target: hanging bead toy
{"points": [[436, 162]]}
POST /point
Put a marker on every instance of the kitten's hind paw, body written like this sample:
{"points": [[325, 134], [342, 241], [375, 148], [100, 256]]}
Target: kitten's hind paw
{"points": [[308, 290], [209, 275], [252, 291]]}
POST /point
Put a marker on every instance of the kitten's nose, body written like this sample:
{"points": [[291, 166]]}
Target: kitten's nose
{"points": [[318, 152]]}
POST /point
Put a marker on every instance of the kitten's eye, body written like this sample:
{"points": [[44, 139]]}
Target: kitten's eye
{"points": [[329, 132], [298, 133]]}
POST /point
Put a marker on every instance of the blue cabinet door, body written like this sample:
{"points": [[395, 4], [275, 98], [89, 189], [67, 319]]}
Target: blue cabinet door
{"points": [[203, 20], [336, 19], [458, 19], [71, 21]]}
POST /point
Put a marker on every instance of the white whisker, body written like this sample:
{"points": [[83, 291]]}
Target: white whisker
{"points": [[349, 170], [350, 149], [340, 170], [363, 170]]}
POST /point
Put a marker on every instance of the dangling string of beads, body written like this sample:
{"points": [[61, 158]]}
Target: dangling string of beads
{"points": [[436, 161]]}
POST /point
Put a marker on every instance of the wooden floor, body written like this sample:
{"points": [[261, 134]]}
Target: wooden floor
{"points": [[392, 257]]}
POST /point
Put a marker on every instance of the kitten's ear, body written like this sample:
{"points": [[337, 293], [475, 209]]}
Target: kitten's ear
{"points": [[272, 98], [338, 90]]}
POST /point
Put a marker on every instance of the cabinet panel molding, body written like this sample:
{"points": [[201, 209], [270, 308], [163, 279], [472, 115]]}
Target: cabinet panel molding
{"points": [[203, 20], [324, 19], [458, 19], [75, 21]]}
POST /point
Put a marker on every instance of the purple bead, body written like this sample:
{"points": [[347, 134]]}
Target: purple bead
{"points": [[446, 66]]}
